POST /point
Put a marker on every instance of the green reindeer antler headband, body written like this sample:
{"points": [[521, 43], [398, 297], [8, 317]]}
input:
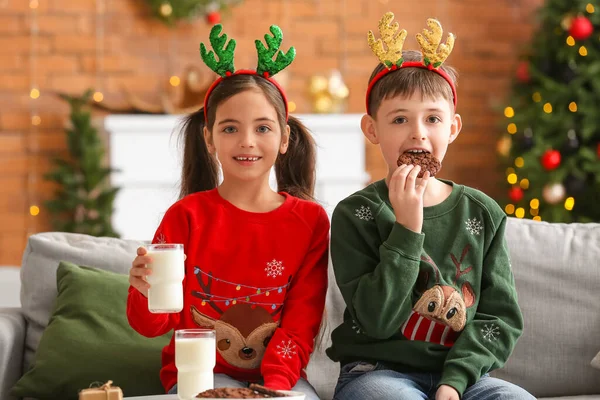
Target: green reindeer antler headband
{"points": [[267, 67]]}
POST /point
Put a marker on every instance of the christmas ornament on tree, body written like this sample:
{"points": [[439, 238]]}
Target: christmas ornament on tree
{"points": [[551, 159], [213, 17], [503, 146], [172, 11], [554, 193], [523, 72], [598, 150], [566, 22], [574, 185], [515, 194], [572, 144], [527, 141], [581, 28]]}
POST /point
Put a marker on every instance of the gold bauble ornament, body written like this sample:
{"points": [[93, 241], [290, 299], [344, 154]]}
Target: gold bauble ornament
{"points": [[166, 9], [329, 94], [566, 22], [318, 84], [503, 146], [323, 104]]}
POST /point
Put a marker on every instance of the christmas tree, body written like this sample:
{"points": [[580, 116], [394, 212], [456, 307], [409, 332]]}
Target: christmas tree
{"points": [[551, 146], [83, 201]]}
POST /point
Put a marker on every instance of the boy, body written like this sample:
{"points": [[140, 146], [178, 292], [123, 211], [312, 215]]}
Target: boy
{"points": [[422, 263]]}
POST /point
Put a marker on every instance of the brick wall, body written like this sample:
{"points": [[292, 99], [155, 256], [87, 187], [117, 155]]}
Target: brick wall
{"points": [[140, 54]]}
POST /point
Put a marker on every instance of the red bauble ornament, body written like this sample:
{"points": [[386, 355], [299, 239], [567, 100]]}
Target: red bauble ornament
{"points": [[551, 159], [523, 72], [598, 149], [213, 17], [581, 28], [515, 193]]}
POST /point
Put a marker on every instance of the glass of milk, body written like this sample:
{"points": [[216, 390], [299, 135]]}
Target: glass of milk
{"points": [[195, 359], [168, 269]]}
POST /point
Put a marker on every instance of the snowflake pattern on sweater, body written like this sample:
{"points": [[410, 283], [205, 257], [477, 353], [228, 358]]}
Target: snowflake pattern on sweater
{"points": [[274, 268], [474, 226], [364, 213], [287, 349]]}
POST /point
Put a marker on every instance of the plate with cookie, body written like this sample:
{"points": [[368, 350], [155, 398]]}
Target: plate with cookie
{"points": [[252, 392]]}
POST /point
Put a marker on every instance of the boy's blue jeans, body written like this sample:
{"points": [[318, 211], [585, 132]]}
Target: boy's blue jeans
{"points": [[222, 380], [365, 381]]}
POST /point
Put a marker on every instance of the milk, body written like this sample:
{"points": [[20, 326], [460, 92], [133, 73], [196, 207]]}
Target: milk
{"points": [[195, 358], [168, 269]]}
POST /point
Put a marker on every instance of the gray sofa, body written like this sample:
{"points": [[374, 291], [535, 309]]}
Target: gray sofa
{"points": [[557, 271]]}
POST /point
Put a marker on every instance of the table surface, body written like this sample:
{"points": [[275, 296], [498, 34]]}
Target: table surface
{"points": [[155, 397]]}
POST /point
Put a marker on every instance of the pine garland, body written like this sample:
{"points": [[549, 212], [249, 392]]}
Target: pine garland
{"points": [[172, 11], [83, 200]]}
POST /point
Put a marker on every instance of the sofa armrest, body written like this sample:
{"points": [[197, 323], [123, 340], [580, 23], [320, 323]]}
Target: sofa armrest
{"points": [[12, 340]]}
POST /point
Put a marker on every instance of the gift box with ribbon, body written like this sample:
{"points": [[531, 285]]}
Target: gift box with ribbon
{"points": [[104, 392]]}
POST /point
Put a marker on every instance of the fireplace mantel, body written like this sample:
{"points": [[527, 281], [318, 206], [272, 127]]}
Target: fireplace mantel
{"points": [[147, 152]]}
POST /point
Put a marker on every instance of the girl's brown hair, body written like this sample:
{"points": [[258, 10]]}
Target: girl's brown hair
{"points": [[294, 170], [405, 81]]}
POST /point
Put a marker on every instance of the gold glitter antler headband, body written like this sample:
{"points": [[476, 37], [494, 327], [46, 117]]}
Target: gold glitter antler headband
{"points": [[393, 38], [434, 51]]}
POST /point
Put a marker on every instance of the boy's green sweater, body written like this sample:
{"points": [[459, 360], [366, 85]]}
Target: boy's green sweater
{"points": [[440, 301]]}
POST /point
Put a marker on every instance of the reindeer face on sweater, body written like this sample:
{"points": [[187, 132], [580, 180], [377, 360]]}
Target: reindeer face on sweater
{"points": [[441, 311], [445, 305], [243, 333]]}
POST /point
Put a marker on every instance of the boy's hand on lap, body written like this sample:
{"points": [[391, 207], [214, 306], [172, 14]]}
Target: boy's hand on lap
{"points": [[446, 392], [406, 195]]}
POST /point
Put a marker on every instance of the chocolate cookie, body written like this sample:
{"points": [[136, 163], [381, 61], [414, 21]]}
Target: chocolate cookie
{"points": [[426, 160], [253, 392], [268, 392]]}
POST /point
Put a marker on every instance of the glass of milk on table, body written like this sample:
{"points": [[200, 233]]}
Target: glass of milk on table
{"points": [[195, 359], [168, 269]]}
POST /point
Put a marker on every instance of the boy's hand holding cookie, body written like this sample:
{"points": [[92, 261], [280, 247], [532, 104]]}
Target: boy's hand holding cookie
{"points": [[406, 196]]}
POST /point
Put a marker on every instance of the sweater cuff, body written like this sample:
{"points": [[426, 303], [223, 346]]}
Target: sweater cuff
{"points": [[454, 378], [407, 242], [277, 382], [137, 297]]}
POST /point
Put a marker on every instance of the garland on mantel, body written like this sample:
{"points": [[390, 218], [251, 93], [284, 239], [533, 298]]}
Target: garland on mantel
{"points": [[172, 11]]}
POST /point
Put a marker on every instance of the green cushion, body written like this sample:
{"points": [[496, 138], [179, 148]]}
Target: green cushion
{"points": [[88, 339]]}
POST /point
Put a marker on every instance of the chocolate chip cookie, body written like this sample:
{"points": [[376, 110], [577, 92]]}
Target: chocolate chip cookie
{"points": [[426, 160], [253, 392]]}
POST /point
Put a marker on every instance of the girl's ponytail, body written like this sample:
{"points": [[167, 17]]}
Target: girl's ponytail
{"points": [[200, 170], [295, 170]]}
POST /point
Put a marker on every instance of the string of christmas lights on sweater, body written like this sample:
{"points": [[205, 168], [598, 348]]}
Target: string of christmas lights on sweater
{"points": [[243, 298]]}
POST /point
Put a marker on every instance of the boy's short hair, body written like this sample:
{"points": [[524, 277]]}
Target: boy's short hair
{"points": [[405, 81]]}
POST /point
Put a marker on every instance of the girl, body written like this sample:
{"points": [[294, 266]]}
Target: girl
{"points": [[256, 260]]}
